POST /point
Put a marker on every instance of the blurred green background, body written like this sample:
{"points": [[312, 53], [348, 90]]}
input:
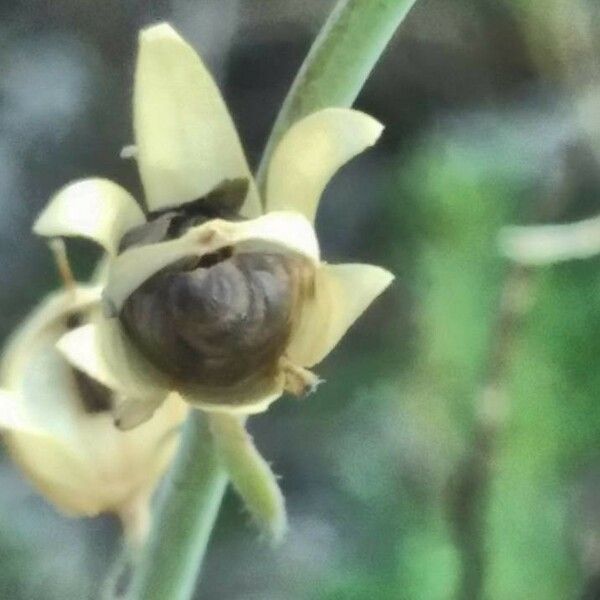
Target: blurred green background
{"points": [[454, 451]]}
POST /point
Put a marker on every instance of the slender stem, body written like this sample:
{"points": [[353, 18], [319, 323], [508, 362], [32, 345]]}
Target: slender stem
{"points": [[338, 63], [250, 475], [63, 266], [184, 518]]}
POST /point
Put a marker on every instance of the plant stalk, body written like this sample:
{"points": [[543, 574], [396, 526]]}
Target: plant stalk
{"points": [[338, 63], [184, 518]]}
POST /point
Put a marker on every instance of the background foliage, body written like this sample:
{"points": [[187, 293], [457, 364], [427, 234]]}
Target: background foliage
{"points": [[403, 480]]}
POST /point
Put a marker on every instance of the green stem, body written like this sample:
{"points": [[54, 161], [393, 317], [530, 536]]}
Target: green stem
{"points": [[339, 62], [184, 518], [250, 474]]}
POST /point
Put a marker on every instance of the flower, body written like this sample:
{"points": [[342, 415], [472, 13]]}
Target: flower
{"points": [[207, 293], [57, 427]]}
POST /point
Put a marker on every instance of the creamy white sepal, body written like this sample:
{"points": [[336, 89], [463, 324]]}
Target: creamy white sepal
{"points": [[102, 350], [97, 209], [341, 294], [47, 317], [310, 154], [282, 232], [12, 413], [130, 412], [187, 143]]}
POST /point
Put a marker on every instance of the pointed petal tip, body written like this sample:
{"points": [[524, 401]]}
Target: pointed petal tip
{"points": [[186, 140], [78, 347], [378, 127], [159, 31], [102, 351], [382, 277], [368, 282], [311, 152], [370, 127], [343, 293], [374, 127]]}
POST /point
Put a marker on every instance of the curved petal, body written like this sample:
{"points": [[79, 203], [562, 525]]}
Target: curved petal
{"points": [[285, 232], [41, 412], [311, 152], [342, 293], [102, 351], [39, 332], [46, 398], [128, 464], [50, 401], [97, 209], [186, 141], [76, 458]]}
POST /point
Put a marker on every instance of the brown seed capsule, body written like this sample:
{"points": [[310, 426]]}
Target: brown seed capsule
{"points": [[219, 324], [217, 321]]}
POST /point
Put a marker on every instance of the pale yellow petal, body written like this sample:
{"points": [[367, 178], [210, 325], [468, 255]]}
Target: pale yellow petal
{"points": [[48, 315], [128, 463], [187, 143], [57, 471], [37, 381], [284, 232], [41, 413], [102, 350], [97, 209], [48, 394], [129, 413], [12, 413], [342, 293], [252, 406], [77, 459], [34, 375], [310, 154], [116, 451]]}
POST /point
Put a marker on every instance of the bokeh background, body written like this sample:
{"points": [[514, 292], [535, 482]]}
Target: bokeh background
{"points": [[454, 451]]}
